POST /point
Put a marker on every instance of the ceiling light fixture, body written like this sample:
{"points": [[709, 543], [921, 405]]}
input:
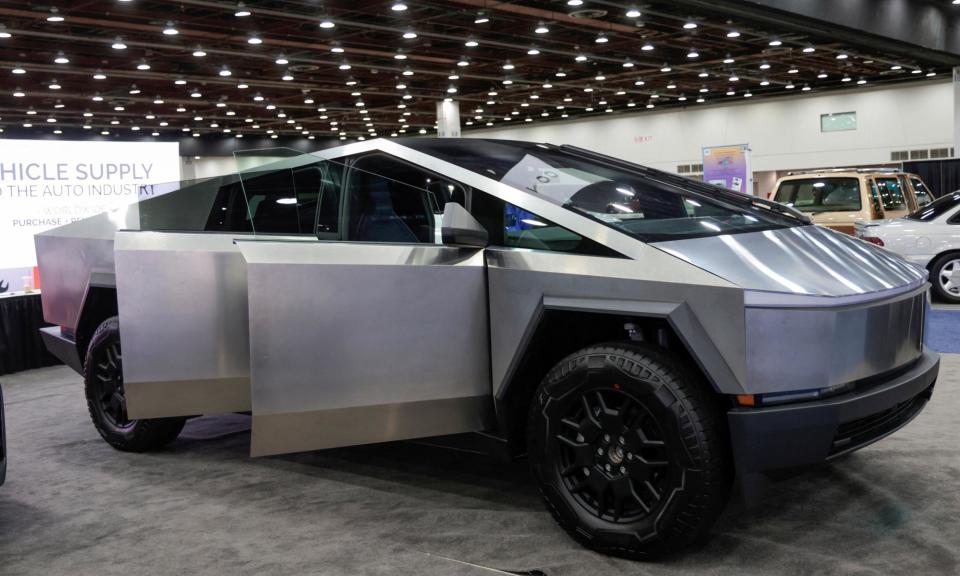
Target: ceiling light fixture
{"points": [[118, 44], [242, 11], [541, 29], [398, 7], [809, 50], [733, 34], [327, 24], [54, 16], [409, 34], [199, 53], [170, 29], [19, 70], [647, 47], [690, 26], [633, 12], [255, 40], [61, 59]]}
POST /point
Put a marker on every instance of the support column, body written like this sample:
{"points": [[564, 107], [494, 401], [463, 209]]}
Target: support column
{"points": [[448, 119], [956, 111]]}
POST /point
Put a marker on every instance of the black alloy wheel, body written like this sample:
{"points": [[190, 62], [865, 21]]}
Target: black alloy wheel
{"points": [[108, 373], [629, 449], [107, 400], [612, 456]]}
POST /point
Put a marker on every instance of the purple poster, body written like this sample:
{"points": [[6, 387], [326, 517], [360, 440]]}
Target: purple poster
{"points": [[728, 166]]}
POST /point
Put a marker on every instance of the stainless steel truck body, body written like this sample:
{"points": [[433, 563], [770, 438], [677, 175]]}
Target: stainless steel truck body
{"points": [[644, 338]]}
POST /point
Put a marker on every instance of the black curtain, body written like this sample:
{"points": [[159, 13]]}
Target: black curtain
{"points": [[942, 176], [21, 347]]}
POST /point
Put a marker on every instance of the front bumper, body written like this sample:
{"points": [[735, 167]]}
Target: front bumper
{"points": [[789, 436]]}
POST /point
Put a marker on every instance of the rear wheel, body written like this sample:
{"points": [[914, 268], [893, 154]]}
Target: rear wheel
{"points": [[945, 277], [628, 450], [106, 399]]}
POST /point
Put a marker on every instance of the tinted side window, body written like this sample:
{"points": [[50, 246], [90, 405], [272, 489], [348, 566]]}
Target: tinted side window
{"points": [[229, 212], [391, 201], [514, 227], [891, 194], [328, 219], [920, 189]]}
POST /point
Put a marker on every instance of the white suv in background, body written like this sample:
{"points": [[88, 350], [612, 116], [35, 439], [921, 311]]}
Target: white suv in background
{"points": [[929, 237]]}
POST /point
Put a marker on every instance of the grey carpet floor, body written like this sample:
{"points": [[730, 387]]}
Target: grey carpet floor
{"points": [[74, 506]]}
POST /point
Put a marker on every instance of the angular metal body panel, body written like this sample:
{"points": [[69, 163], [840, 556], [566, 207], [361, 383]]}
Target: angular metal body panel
{"points": [[804, 260], [182, 299], [373, 329], [521, 282], [802, 349], [69, 255]]}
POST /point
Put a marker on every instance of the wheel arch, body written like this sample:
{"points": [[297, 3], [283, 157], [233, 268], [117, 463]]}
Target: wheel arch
{"points": [[565, 325], [948, 252], [99, 303]]}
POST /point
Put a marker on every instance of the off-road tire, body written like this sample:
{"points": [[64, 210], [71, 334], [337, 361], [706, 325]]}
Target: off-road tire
{"points": [[691, 467], [936, 269], [103, 385]]}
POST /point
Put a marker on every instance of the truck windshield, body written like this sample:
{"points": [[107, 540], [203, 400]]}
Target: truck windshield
{"points": [[644, 203], [821, 194]]}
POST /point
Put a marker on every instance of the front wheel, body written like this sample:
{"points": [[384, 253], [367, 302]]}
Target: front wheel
{"points": [[628, 450], [106, 400], [945, 277]]}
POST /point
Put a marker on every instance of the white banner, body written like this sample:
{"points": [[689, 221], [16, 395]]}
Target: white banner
{"points": [[49, 183]]}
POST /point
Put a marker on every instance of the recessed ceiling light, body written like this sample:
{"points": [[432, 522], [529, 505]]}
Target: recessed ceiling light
{"points": [[689, 25], [633, 12], [170, 29]]}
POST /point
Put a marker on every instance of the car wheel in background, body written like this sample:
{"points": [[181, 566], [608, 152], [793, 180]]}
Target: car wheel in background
{"points": [[103, 383], [945, 277], [629, 451]]}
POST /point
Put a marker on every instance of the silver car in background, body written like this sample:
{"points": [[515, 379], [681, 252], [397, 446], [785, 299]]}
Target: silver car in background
{"points": [[647, 340]]}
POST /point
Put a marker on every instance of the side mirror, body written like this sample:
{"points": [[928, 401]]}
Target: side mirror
{"points": [[461, 228]]}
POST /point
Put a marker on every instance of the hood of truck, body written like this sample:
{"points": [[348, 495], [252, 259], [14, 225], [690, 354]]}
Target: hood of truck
{"points": [[803, 260]]}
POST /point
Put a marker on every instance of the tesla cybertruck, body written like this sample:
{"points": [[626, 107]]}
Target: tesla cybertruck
{"points": [[647, 340]]}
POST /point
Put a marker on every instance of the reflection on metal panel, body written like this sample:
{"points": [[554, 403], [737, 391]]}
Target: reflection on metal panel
{"points": [[183, 320], [808, 260], [68, 255], [341, 326], [520, 281], [804, 348]]}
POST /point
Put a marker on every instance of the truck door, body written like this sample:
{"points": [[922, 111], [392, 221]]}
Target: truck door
{"points": [[380, 336]]}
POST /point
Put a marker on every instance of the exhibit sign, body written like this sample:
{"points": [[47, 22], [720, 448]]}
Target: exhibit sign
{"points": [[728, 166], [49, 183]]}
